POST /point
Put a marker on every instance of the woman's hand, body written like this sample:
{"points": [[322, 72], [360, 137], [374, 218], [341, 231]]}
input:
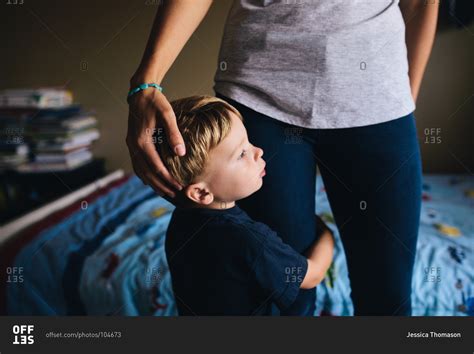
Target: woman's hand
{"points": [[149, 110], [174, 23]]}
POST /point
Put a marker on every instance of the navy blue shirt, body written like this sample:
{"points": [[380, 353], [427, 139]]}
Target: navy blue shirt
{"points": [[223, 263]]}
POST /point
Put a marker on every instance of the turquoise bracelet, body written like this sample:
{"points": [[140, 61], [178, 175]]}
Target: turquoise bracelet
{"points": [[143, 87]]}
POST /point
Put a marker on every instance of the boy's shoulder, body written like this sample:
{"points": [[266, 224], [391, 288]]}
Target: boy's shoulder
{"points": [[231, 225], [233, 218]]}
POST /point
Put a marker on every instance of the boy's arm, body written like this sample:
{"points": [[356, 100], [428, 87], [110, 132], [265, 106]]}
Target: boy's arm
{"points": [[319, 259]]}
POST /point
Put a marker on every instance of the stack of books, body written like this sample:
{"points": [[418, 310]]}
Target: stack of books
{"points": [[60, 138], [35, 98], [13, 148], [57, 132]]}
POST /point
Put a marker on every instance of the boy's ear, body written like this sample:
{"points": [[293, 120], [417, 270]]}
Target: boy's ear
{"points": [[199, 193]]}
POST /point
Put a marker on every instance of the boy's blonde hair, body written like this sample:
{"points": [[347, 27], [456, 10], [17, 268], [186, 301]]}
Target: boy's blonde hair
{"points": [[203, 121]]}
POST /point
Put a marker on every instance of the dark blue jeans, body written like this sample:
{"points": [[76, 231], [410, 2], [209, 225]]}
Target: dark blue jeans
{"points": [[373, 180]]}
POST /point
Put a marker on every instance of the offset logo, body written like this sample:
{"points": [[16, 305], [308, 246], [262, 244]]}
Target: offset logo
{"points": [[23, 334]]}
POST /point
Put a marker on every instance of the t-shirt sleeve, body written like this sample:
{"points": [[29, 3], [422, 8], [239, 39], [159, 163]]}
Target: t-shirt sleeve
{"points": [[277, 267]]}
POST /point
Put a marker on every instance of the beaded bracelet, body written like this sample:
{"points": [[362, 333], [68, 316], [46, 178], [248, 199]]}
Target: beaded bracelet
{"points": [[143, 87]]}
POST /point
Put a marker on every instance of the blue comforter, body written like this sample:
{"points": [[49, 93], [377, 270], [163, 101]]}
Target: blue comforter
{"points": [[108, 259]]}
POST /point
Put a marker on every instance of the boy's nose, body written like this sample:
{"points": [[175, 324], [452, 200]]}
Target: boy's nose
{"points": [[259, 153]]}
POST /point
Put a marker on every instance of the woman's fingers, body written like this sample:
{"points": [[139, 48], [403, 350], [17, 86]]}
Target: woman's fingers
{"points": [[148, 111], [137, 169], [160, 187], [150, 153], [175, 140], [155, 163], [142, 170]]}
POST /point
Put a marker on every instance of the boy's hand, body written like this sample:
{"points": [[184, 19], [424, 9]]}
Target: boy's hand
{"points": [[319, 259]]}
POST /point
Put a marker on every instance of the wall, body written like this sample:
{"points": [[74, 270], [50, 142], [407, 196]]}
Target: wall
{"points": [[94, 47]]}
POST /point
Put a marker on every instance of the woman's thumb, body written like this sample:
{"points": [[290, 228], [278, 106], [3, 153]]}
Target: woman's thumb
{"points": [[180, 149], [175, 139]]}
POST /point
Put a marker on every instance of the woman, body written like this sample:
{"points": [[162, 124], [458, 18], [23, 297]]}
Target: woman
{"points": [[320, 83]]}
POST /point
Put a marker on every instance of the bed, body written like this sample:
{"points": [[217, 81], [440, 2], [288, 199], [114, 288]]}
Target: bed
{"points": [[103, 254]]}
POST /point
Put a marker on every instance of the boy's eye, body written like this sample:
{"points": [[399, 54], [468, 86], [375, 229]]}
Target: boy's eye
{"points": [[242, 154]]}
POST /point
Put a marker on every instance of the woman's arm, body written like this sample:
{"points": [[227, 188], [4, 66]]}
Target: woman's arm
{"points": [[420, 18], [175, 22], [149, 109]]}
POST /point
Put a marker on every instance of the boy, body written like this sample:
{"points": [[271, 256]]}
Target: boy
{"points": [[222, 262]]}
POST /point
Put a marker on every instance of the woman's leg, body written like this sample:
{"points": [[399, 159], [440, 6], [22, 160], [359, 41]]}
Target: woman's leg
{"points": [[286, 201], [373, 179]]}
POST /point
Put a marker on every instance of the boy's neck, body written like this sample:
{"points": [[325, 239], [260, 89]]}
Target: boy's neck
{"points": [[184, 202], [213, 205], [219, 205]]}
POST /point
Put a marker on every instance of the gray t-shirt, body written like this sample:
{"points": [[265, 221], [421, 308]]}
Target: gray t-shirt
{"points": [[317, 63]]}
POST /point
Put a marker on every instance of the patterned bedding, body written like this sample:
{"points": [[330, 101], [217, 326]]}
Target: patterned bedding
{"points": [[108, 259]]}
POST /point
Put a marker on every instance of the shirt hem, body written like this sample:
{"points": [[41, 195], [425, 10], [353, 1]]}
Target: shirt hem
{"points": [[241, 96]]}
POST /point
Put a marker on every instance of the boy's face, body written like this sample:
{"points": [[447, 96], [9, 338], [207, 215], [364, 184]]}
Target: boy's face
{"points": [[235, 167]]}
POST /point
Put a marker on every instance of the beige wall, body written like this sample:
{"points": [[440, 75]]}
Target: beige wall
{"points": [[446, 103], [93, 47]]}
